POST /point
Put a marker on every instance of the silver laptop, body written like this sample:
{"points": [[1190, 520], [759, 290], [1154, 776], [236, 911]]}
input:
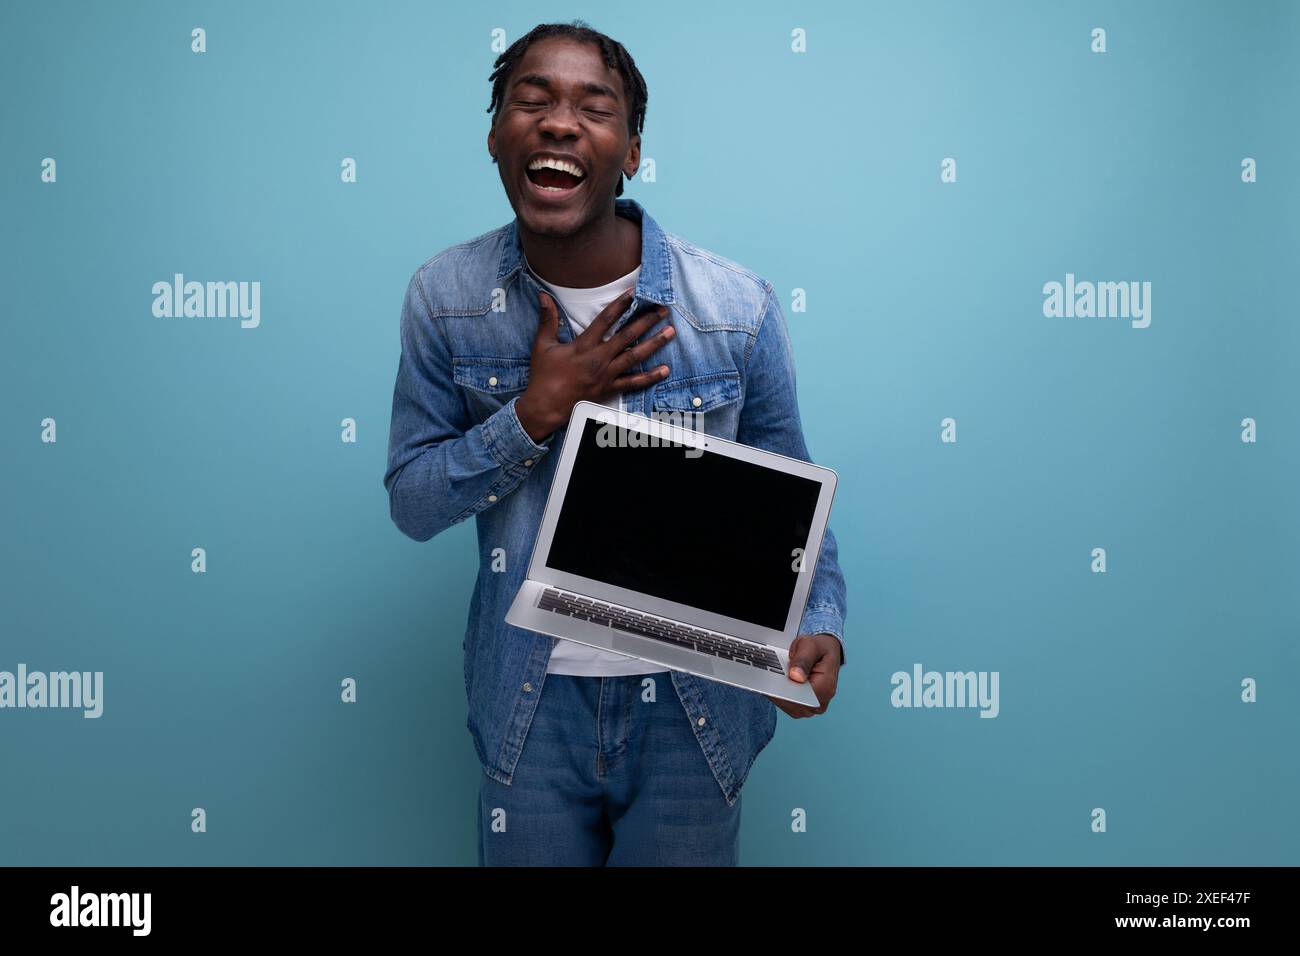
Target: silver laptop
{"points": [[678, 548]]}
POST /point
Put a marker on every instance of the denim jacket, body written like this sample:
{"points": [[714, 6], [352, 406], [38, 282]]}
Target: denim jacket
{"points": [[457, 450]]}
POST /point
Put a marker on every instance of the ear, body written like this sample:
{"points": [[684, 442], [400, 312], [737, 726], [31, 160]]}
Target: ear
{"points": [[492, 142], [633, 161]]}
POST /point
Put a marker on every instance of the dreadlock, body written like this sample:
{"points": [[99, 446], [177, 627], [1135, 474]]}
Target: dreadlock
{"points": [[612, 52]]}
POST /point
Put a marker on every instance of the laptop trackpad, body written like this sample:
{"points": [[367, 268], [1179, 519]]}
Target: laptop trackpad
{"points": [[624, 642]]}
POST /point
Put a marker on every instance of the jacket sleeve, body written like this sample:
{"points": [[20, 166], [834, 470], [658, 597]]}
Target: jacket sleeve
{"points": [[770, 420], [442, 468]]}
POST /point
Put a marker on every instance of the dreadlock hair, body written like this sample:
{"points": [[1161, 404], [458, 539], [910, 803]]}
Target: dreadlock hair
{"points": [[612, 52]]}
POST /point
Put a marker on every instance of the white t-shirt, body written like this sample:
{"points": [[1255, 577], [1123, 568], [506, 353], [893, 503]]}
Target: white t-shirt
{"points": [[569, 657]]}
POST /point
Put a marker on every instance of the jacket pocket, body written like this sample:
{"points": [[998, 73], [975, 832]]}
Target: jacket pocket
{"points": [[489, 383], [708, 403]]}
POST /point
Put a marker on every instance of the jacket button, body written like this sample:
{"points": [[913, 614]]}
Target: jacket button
{"points": [[700, 721], [492, 497], [697, 401], [528, 687], [528, 462], [492, 380]]}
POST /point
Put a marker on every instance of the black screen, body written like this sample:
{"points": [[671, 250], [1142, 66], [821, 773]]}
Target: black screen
{"points": [[710, 531]]}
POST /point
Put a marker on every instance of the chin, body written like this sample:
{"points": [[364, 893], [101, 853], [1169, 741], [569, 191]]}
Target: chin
{"points": [[548, 227], [554, 223]]}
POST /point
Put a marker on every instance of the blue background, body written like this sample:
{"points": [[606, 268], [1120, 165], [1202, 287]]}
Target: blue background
{"points": [[818, 171]]}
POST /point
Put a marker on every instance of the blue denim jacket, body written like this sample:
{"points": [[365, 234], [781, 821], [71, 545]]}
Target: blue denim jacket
{"points": [[456, 449]]}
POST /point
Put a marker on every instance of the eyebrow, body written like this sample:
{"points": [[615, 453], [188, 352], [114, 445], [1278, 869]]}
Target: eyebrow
{"points": [[537, 79]]}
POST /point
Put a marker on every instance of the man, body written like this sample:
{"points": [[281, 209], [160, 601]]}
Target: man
{"points": [[589, 757]]}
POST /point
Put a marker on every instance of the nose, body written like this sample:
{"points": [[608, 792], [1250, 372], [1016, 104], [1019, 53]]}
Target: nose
{"points": [[560, 121]]}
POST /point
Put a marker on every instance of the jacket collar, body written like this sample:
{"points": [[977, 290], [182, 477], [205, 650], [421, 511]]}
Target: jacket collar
{"points": [[655, 283]]}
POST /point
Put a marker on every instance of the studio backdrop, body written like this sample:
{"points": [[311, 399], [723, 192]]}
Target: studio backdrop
{"points": [[1037, 261]]}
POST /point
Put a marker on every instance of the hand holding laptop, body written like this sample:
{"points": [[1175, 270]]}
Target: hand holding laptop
{"points": [[815, 658], [590, 368]]}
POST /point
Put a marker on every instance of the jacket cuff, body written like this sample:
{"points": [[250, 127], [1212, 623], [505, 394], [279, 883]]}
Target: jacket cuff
{"points": [[824, 619], [506, 439]]}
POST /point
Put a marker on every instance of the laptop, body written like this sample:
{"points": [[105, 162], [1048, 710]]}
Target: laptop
{"points": [[678, 548]]}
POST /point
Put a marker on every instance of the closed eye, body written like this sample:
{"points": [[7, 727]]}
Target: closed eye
{"points": [[538, 103]]}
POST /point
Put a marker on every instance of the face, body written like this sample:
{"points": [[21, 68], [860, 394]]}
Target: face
{"points": [[562, 102]]}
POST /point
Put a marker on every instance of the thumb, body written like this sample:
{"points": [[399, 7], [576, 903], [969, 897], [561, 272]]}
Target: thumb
{"points": [[803, 655], [548, 320]]}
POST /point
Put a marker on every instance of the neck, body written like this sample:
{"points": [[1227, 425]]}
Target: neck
{"points": [[600, 252]]}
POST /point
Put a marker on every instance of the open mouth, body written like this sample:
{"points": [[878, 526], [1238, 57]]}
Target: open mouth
{"points": [[554, 177]]}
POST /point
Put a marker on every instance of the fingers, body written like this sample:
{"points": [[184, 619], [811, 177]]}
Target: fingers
{"points": [[634, 383], [638, 353], [595, 333], [637, 327]]}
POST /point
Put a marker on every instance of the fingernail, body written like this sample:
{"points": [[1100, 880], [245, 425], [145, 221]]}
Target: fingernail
{"points": [[668, 332]]}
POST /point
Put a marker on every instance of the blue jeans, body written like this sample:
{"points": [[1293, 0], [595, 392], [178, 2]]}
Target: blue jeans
{"points": [[608, 778]]}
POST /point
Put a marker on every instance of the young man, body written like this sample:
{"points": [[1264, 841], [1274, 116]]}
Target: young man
{"points": [[589, 757]]}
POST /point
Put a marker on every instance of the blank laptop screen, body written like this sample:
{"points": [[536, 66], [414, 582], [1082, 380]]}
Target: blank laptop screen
{"points": [[710, 531]]}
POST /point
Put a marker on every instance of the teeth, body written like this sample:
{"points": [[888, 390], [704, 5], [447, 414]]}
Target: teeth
{"points": [[564, 166]]}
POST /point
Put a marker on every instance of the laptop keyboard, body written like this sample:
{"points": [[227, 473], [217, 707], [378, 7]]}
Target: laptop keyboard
{"points": [[661, 629]]}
